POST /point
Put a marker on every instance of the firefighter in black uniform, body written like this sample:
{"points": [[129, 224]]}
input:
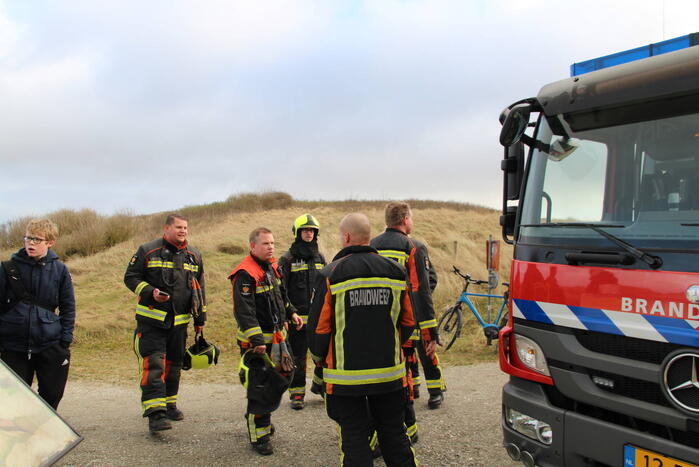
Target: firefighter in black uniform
{"points": [[167, 274], [262, 311], [360, 316], [299, 267], [395, 243]]}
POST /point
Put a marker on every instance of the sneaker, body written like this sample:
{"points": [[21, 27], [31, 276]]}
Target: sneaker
{"points": [[263, 448], [158, 422], [435, 401], [297, 403], [173, 413]]}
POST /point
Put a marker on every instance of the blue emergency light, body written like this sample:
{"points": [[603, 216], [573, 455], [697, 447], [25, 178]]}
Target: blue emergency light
{"points": [[638, 53]]}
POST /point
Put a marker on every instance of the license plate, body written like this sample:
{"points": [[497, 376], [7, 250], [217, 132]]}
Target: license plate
{"points": [[637, 457]]}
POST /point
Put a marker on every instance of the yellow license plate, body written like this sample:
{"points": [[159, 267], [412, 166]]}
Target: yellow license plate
{"points": [[637, 457]]}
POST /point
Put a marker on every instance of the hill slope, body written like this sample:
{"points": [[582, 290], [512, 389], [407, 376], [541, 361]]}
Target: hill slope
{"points": [[455, 234]]}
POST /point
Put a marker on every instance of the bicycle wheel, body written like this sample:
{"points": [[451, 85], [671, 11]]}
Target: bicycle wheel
{"points": [[449, 326]]}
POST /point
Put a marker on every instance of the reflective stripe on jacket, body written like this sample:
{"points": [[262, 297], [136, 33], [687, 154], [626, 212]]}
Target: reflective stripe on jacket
{"points": [[299, 276], [259, 300], [360, 316], [160, 265], [412, 254]]}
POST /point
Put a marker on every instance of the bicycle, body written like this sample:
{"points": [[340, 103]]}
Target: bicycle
{"points": [[450, 323]]}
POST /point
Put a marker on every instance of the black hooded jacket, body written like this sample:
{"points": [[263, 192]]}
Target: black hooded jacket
{"points": [[28, 327]]}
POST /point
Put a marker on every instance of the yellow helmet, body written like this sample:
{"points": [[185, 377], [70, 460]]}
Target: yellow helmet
{"points": [[305, 221], [200, 355]]}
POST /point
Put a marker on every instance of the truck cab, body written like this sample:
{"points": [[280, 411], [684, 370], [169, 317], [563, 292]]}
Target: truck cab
{"points": [[601, 200]]}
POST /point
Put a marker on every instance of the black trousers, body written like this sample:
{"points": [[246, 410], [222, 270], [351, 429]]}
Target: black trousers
{"points": [[387, 414], [160, 353], [50, 367], [433, 370], [299, 348]]}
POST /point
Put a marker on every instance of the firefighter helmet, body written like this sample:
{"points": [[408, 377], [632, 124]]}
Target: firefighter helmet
{"points": [[305, 221], [263, 382], [200, 355]]}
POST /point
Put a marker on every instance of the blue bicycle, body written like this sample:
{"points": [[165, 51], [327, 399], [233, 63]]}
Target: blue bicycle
{"points": [[450, 323]]}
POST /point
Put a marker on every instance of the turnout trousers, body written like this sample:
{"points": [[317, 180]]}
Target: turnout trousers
{"points": [[50, 367], [352, 414], [259, 425], [159, 353], [434, 378], [299, 348]]}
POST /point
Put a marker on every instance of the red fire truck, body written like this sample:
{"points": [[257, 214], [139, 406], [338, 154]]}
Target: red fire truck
{"points": [[602, 340]]}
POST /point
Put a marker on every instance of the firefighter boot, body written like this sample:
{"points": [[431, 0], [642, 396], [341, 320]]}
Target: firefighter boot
{"points": [[263, 448], [297, 402], [173, 413], [435, 400], [157, 421], [317, 389]]}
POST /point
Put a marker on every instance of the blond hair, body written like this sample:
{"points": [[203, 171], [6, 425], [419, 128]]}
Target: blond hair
{"points": [[43, 227], [395, 213]]}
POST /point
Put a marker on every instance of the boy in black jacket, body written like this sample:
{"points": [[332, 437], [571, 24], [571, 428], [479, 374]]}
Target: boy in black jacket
{"points": [[34, 339]]}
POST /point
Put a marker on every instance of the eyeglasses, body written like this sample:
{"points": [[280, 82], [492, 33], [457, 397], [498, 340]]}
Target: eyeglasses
{"points": [[34, 240]]}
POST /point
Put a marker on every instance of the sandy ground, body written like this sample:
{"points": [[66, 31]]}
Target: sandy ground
{"points": [[465, 431]]}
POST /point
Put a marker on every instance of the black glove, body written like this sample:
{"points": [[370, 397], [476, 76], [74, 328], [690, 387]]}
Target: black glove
{"points": [[65, 345]]}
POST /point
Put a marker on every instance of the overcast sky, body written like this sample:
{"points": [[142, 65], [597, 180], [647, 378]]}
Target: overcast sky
{"points": [[153, 105]]}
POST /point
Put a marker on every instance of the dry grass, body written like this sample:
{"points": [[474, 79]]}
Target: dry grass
{"points": [[455, 234]]}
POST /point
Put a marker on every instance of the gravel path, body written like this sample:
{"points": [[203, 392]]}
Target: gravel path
{"points": [[465, 431]]}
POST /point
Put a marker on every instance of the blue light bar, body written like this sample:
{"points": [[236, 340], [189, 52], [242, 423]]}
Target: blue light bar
{"points": [[638, 53]]}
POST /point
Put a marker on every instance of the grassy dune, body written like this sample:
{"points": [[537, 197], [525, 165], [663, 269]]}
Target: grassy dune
{"points": [[454, 232]]}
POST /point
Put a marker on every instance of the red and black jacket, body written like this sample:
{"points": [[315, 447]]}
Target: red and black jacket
{"points": [[260, 305], [413, 255]]}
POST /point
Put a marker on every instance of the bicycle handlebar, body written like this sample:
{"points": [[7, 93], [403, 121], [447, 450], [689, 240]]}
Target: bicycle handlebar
{"points": [[467, 278]]}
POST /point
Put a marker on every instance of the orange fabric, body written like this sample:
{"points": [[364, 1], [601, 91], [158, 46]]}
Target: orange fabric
{"points": [[144, 377], [407, 318], [249, 265], [412, 271], [325, 320]]}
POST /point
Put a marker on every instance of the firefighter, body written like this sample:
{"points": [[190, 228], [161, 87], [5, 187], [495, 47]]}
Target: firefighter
{"points": [[299, 267], [395, 243], [262, 311], [360, 315], [167, 275]]}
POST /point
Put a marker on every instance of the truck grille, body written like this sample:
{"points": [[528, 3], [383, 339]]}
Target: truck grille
{"points": [[625, 347]]}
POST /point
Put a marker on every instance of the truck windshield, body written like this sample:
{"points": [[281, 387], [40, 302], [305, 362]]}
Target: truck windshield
{"points": [[642, 178]]}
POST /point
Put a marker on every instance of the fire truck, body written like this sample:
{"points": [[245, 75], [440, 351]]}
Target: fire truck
{"points": [[601, 200]]}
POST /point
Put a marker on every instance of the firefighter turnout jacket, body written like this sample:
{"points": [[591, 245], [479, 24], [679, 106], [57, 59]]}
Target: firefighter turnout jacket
{"points": [[178, 271], [260, 305], [299, 275], [412, 254], [360, 316]]}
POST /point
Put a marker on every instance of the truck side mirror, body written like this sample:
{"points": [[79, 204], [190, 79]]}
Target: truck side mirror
{"points": [[513, 167], [514, 123], [513, 173]]}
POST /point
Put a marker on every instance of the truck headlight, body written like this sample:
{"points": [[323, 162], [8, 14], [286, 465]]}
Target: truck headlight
{"points": [[531, 355], [529, 426]]}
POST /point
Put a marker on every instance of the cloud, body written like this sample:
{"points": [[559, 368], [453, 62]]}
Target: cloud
{"points": [[155, 105]]}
